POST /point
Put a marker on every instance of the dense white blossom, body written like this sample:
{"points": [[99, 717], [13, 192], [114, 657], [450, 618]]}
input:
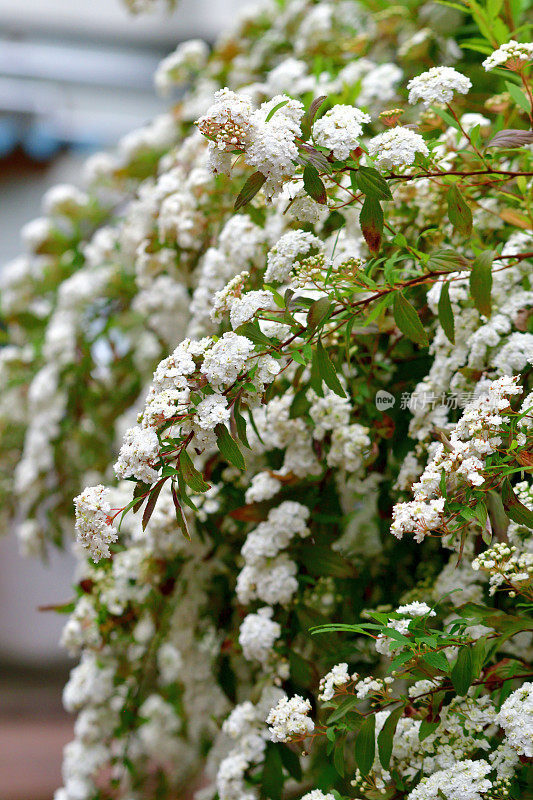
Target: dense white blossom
{"points": [[340, 129], [93, 521], [516, 718], [289, 719], [396, 147], [512, 55], [190, 56], [464, 781], [437, 85], [258, 632], [138, 455]]}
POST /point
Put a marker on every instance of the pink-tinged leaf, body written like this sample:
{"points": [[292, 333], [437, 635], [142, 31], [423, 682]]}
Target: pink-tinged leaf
{"points": [[511, 138]]}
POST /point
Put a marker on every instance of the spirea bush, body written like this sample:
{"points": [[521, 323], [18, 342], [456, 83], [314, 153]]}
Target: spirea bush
{"points": [[309, 572]]}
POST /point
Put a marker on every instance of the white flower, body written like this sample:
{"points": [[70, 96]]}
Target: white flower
{"points": [[138, 454], [64, 199], [396, 147], [266, 137], [170, 663], [512, 55], [437, 85], [245, 307], [516, 718], [226, 359], [257, 635], [416, 609], [337, 676], [339, 130], [93, 521], [289, 719], [464, 781], [187, 58], [287, 250], [317, 794], [262, 487], [211, 411]]}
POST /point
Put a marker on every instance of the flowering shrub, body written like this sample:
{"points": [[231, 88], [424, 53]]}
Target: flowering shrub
{"points": [[313, 577]]}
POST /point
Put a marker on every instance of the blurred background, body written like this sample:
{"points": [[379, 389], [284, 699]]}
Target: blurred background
{"points": [[75, 75]]}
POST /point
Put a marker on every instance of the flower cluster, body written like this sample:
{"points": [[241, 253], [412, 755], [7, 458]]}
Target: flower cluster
{"points": [[344, 299]]}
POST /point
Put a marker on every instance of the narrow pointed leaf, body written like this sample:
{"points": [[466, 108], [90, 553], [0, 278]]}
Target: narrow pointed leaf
{"points": [[459, 211], [229, 448], [318, 312], [191, 476], [180, 517], [309, 117], [314, 185], [408, 320], [150, 505], [446, 313], [365, 745], [481, 282], [511, 138], [372, 183], [249, 190], [327, 371], [462, 673], [386, 736], [516, 510], [371, 221]]}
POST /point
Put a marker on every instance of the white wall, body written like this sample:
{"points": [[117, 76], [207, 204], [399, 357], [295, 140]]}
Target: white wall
{"points": [[109, 19]]}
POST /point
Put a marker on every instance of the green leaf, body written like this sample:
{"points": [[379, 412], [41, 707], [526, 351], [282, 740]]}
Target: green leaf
{"points": [[371, 221], [386, 736], [438, 660], [314, 185], [322, 560], [150, 505], [273, 110], [272, 776], [338, 757], [180, 517], [408, 320], [140, 492], [342, 709], [447, 261], [300, 405], [481, 282], [426, 729], [191, 476], [318, 312], [229, 448], [253, 332], [516, 510], [291, 762], [326, 370], [240, 424], [462, 673], [372, 183], [518, 96], [365, 745], [308, 118], [249, 190], [446, 313], [459, 211]]}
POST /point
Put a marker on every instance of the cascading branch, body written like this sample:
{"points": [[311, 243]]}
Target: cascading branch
{"points": [[115, 275], [313, 578]]}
